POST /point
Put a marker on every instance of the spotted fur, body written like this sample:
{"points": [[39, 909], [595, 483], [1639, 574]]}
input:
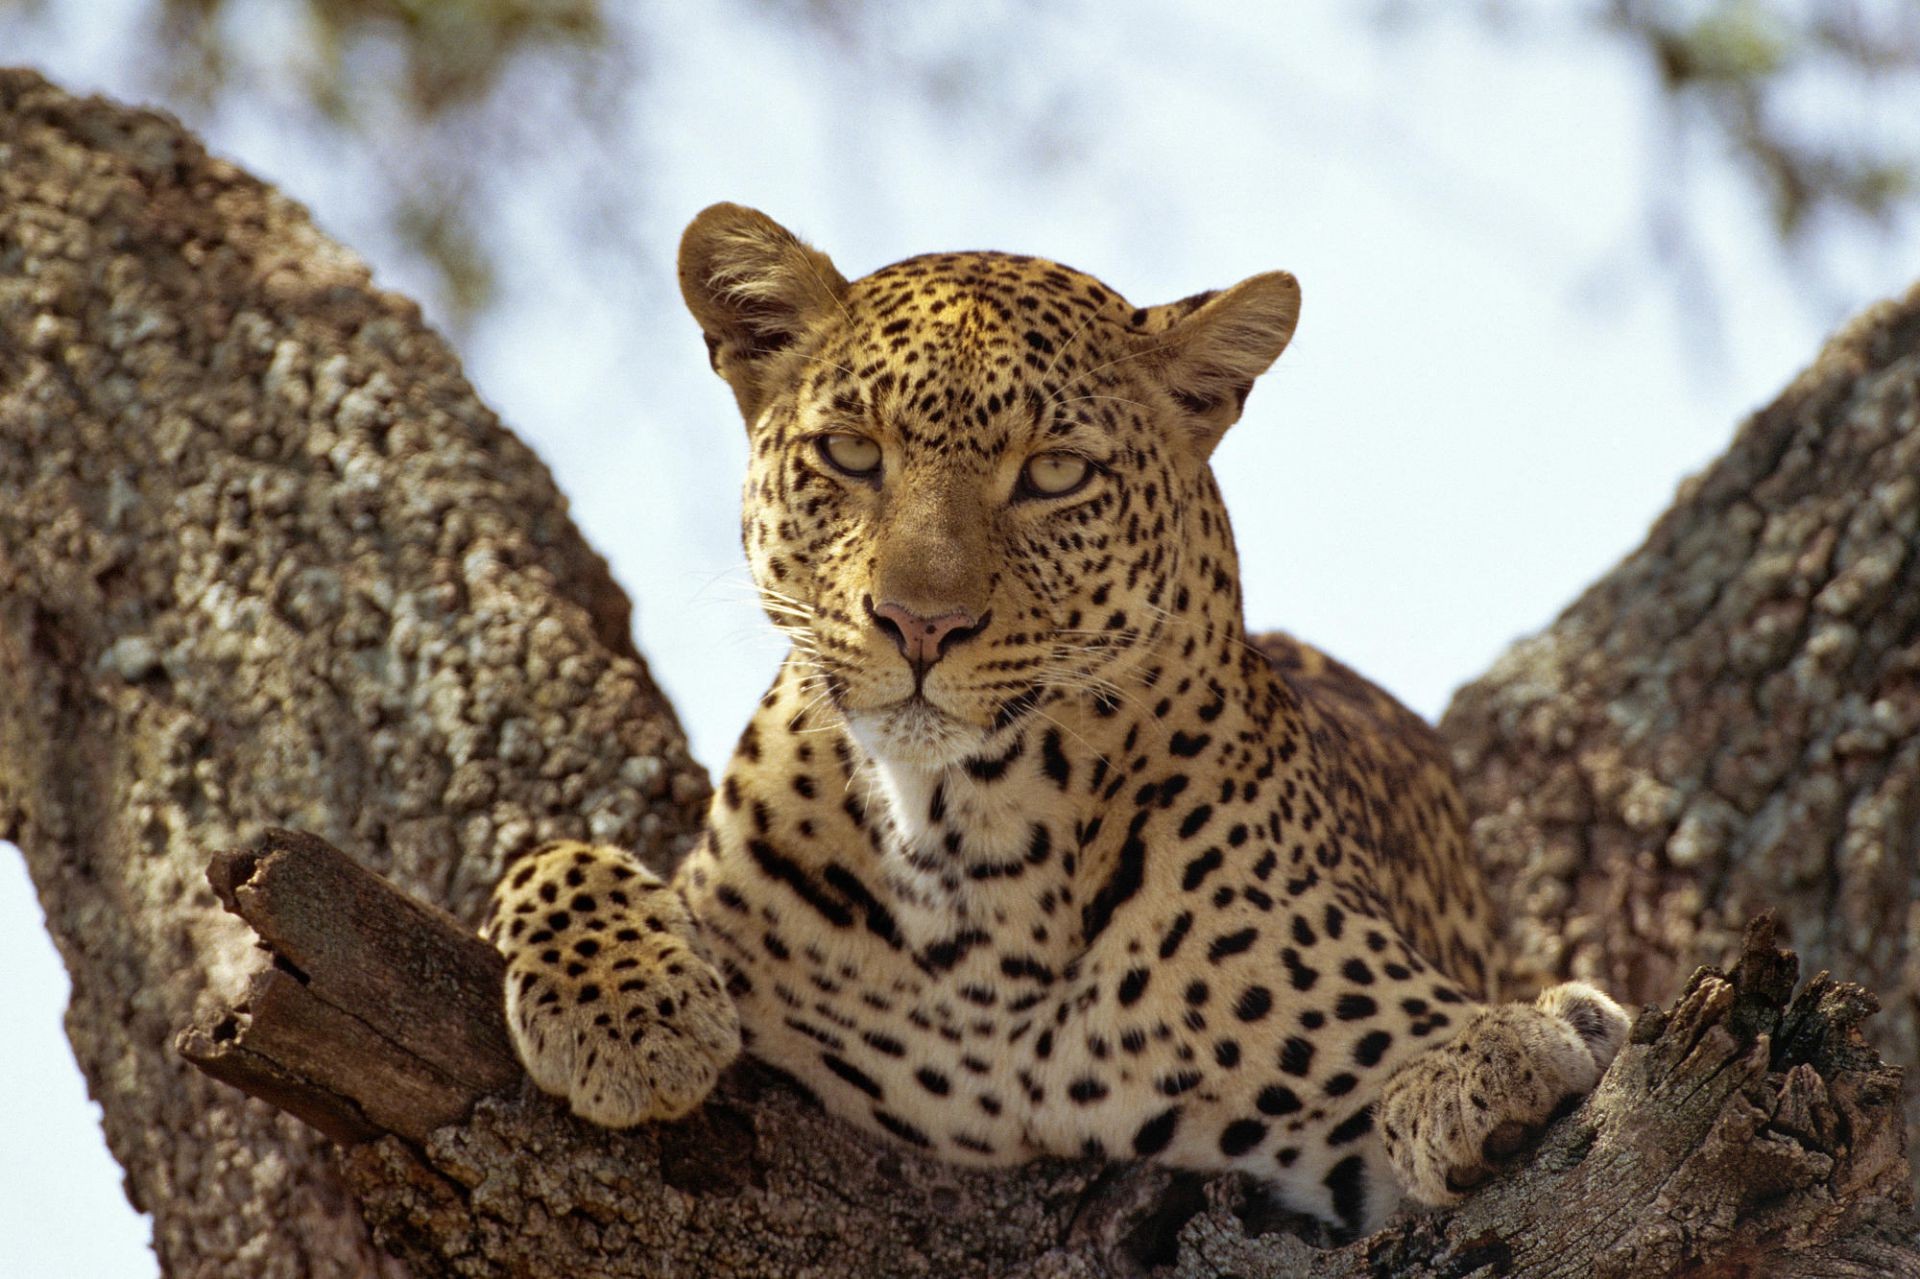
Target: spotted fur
{"points": [[1029, 850]]}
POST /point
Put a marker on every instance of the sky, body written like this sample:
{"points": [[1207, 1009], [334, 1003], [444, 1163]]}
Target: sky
{"points": [[1495, 385]]}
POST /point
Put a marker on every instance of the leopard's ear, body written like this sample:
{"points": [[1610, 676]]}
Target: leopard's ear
{"points": [[1211, 348], [755, 287]]}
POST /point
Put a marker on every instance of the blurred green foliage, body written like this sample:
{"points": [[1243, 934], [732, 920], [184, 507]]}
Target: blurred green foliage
{"points": [[450, 97], [439, 96], [1742, 69], [453, 51]]}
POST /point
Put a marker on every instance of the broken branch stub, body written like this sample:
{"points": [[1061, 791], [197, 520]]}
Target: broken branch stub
{"points": [[378, 1014], [1747, 1129]]}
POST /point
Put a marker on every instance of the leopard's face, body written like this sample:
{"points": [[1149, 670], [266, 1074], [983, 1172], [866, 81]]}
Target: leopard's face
{"points": [[978, 482], [978, 436]]}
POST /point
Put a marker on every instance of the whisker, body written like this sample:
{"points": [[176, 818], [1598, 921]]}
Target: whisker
{"points": [[1068, 345], [1132, 355]]}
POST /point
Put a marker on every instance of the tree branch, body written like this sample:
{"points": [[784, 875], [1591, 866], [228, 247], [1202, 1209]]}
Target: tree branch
{"points": [[1747, 1130], [265, 559], [379, 1013]]}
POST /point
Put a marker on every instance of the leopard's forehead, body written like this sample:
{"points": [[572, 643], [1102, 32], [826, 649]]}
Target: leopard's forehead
{"points": [[1012, 286], [1024, 308], [961, 338]]}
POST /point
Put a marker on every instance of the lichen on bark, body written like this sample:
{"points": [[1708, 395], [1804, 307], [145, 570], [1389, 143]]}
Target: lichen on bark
{"points": [[265, 559], [1730, 719]]}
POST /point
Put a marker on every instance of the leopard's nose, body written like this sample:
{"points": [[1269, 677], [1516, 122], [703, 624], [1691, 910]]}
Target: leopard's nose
{"points": [[925, 640]]}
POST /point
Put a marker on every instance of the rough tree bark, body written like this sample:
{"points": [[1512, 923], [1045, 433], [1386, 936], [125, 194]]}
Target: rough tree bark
{"points": [[264, 559]]}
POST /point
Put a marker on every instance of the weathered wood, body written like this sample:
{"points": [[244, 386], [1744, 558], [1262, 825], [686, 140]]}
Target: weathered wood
{"points": [[264, 558], [1730, 719], [379, 1013], [1746, 1130]]}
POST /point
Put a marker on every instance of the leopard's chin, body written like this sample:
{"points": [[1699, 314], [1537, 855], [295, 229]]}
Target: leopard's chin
{"points": [[915, 733]]}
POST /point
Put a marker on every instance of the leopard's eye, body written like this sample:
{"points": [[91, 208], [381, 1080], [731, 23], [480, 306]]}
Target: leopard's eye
{"points": [[1054, 474], [854, 455]]}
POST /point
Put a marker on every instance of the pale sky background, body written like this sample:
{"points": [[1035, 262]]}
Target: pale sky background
{"points": [[1493, 390]]}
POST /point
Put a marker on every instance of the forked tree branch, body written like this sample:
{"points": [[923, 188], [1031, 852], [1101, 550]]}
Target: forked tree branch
{"points": [[266, 560], [1747, 1130]]}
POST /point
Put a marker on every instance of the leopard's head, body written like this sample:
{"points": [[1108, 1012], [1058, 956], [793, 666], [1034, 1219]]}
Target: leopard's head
{"points": [[978, 483]]}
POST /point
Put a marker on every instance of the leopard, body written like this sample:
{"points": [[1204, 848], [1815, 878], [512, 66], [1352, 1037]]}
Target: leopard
{"points": [[1031, 848]]}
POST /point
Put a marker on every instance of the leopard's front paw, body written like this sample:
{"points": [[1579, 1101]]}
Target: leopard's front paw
{"points": [[607, 1001], [1455, 1116]]}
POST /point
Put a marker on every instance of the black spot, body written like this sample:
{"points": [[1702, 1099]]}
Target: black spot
{"points": [[1086, 1090], [1155, 1134], [1372, 1047], [1199, 868], [1180, 1082], [852, 1074], [1277, 1099], [1231, 944], [991, 770], [943, 955], [783, 870], [878, 918], [1227, 1054], [1341, 1084], [1053, 761], [1301, 975], [1188, 745], [1255, 1002], [901, 1129], [1352, 1128], [1190, 825], [1025, 968], [1296, 1055], [1347, 1182], [1129, 872], [933, 1081], [1355, 1007], [1357, 972], [1132, 986], [1240, 1136], [1176, 933]]}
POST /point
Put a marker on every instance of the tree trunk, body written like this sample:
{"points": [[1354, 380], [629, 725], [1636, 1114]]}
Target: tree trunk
{"points": [[264, 558]]}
